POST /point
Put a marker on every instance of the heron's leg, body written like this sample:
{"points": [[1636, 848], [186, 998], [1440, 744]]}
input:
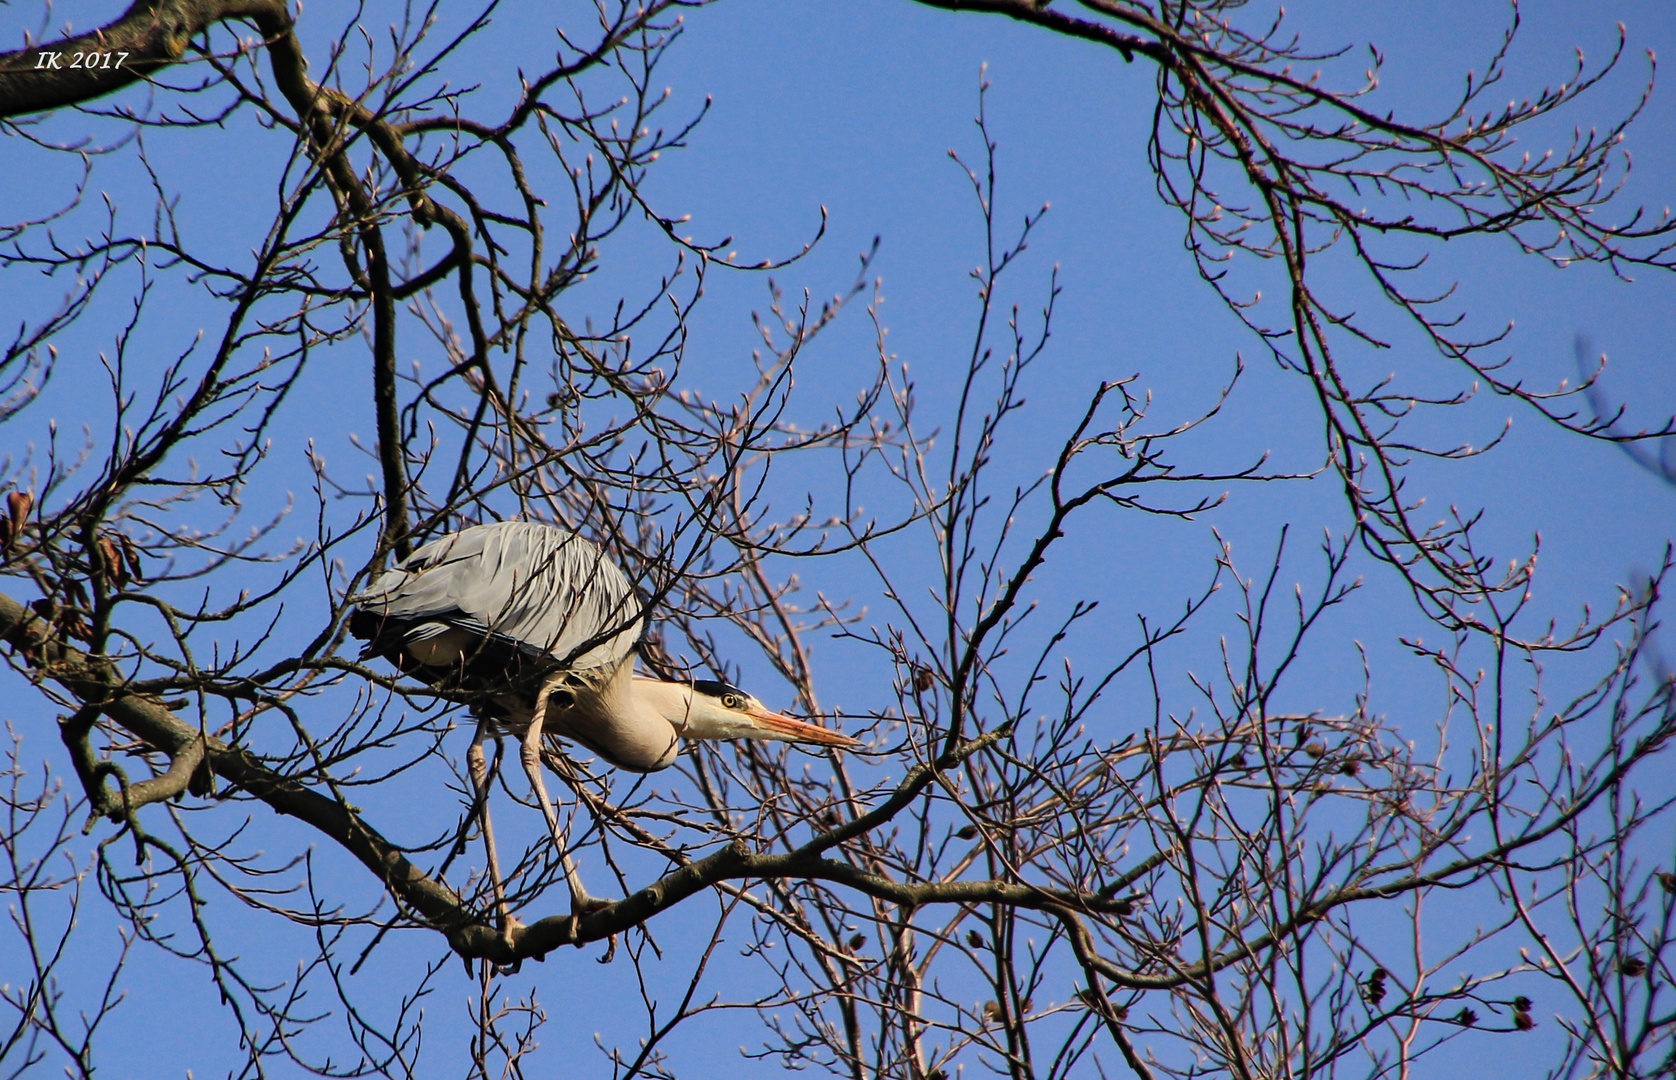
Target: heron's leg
{"points": [[580, 901], [479, 770]]}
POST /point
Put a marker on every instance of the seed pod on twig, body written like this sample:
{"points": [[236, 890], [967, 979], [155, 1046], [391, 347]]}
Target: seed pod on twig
{"points": [[71, 615], [130, 555], [114, 568], [18, 505], [71, 622], [1098, 1003], [1374, 989]]}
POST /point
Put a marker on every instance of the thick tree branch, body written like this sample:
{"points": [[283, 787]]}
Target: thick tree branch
{"points": [[150, 35], [1039, 14], [94, 681], [119, 806]]}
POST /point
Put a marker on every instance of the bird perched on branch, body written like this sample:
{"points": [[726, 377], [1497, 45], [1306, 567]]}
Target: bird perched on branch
{"points": [[539, 623]]}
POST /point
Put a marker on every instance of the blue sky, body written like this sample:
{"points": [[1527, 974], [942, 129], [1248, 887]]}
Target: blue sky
{"points": [[854, 108]]}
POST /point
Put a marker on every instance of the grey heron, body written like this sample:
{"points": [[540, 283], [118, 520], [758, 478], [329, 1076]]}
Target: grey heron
{"points": [[543, 628]]}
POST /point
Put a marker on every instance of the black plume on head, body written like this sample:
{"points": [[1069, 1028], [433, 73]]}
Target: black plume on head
{"points": [[715, 688]]}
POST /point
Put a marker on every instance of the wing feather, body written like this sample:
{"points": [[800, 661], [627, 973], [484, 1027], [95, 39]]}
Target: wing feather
{"points": [[541, 588]]}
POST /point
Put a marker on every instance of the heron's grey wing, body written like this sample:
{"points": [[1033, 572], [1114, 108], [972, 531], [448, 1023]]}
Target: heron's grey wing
{"points": [[424, 585], [540, 587], [552, 589]]}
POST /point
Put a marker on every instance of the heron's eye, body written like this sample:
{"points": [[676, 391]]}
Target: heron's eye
{"points": [[733, 701]]}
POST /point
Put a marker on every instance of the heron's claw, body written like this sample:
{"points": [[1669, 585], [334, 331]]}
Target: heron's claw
{"points": [[581, 906], [509, 928]]}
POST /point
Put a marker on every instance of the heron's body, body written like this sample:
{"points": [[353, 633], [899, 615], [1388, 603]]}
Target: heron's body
{"points": [[539, 623]]}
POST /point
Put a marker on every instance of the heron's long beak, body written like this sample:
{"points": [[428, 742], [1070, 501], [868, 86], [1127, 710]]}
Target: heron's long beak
{"points": [[775, 726]]}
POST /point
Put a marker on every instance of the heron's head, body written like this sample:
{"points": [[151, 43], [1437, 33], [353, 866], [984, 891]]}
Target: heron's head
{"points": [[709, 709]]}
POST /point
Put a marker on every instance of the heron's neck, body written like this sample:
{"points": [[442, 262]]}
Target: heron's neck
{"points": [[673, 702], [628, 729]]}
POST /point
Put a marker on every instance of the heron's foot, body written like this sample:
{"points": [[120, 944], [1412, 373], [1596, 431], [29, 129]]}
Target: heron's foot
{"points": [[580, 906], [509, 927]]}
